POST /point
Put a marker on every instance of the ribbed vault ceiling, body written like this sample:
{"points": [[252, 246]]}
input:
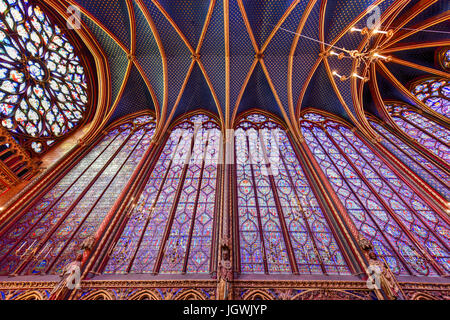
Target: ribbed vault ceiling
{"points": [[227, 56]]}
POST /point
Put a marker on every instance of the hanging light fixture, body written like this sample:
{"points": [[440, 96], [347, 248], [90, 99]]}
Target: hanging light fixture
{"points": [[364, 57]]}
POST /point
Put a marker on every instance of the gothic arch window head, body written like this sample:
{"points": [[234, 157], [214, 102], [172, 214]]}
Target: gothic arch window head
{"points": [[171, 226], [47, 236], [97, 295], [404, 230], [432, 174], [425, 131], [44, 93], [435, 93], [282, 228]]}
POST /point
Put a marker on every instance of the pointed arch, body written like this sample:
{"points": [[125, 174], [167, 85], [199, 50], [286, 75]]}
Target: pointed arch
{"points": [[320, 294], [187, 115], [190, 294], [30, 295], [434, 92], [422, 128], [99, 295], [258, 294], [384, 208], [240, 117], [52, 228], [280, 227], [423, 166], [176, 211], [145, 295], [423, 296]]}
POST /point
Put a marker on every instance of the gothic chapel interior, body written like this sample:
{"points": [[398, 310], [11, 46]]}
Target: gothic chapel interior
{"points": [[225, 149]]}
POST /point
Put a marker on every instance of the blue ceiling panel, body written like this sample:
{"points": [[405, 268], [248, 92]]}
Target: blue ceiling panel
{"points": [[388, 91], [435, 9], [177, 54], [258, 94], [306, 52], [213, 53], [321, 95], [135, 97], [113, 14], [242, 53], [422, 56], [263, 15], [196, 94], [276, 56], [341, 13], [117, 58], [189, 16], [148, 55]]}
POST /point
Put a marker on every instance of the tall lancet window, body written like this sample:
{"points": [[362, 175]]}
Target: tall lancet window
{"points": [[170, 229], [435, 93], [406, 232], [421, 128], [47, 236], [435, 176], [282, 228], [43, 88]]}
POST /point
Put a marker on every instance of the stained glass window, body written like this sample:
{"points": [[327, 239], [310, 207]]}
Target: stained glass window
{"points": [[436, 177], [43, 89], [444, 58], [405, 231], [170, 229], [47, 236], [425, 131], [282, 228], [435, 93]]}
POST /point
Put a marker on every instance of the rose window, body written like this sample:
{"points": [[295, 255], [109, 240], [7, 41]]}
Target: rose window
{"points": [[43, 89]]}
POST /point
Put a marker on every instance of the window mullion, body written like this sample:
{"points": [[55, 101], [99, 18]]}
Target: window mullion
{"points": [[94, 204], [194, 213], [152, 208], [74, 204], [56, 200], [284, 228], [261, 235], [174, 206], [400, 257], [308, 227], [381, 200], [423, 130], [412, 159], [413, 143], [407, 205]]}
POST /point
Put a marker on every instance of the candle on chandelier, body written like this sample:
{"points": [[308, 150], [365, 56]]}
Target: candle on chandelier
{"points": [[380, 56], [337, 74], [354, 74]]}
